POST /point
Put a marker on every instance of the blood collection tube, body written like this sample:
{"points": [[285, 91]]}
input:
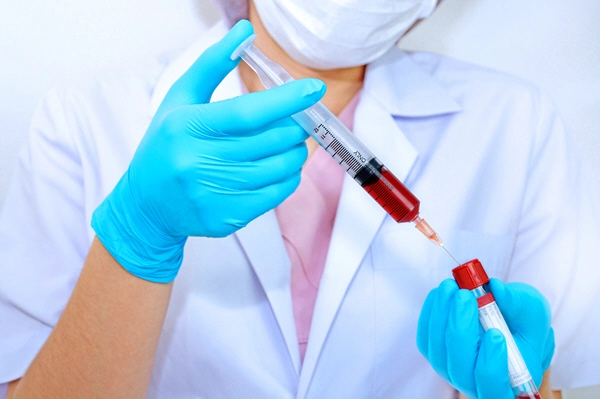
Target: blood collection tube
{"points": [[472, 276]]}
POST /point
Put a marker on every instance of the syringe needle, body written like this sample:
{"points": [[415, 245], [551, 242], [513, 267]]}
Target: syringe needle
{"points": [[448, 252], [426, 229]]}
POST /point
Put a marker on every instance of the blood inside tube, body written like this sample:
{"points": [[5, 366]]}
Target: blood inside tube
{"points": [[391, 194], [532, 396]]}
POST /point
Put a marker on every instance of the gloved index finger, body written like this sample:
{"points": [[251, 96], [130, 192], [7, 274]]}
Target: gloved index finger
{"points": [[271, 140], [521, 304], [250, 112]]}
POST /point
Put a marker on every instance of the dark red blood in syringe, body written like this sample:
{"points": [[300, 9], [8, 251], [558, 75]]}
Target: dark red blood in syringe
{"points": [[393, 196], [535, 396]]}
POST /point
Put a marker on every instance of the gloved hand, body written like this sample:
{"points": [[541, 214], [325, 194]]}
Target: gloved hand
{"points": [[450, 337], [205, 169]]}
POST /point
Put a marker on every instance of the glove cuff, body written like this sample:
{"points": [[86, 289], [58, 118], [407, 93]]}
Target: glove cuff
{"points": [[127, 236]]}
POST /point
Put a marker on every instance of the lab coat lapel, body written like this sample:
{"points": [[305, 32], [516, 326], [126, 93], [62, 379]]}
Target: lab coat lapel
{"points": [[265, 249], [357, 222]]}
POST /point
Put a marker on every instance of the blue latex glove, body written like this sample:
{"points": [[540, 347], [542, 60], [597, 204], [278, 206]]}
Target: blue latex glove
{"points": [[476, 364], [205, 169]]}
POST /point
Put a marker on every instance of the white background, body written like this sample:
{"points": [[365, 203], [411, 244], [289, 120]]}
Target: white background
{"points": [[553, 43]]}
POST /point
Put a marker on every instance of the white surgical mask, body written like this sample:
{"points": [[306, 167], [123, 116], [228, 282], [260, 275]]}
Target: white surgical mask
{"points": [[330, 34]]}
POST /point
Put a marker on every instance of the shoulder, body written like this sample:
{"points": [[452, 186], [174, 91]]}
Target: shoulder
{"points": [[108, 112], [477, 87], [110, 98], [490, 96], [458, 75], [97, 124]]}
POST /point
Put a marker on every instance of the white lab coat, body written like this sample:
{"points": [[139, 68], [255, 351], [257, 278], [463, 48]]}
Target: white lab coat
{"points": [[497, 178]]}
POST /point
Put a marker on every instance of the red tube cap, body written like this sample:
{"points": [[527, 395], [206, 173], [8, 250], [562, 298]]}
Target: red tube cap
{"points": [[470, 275]]}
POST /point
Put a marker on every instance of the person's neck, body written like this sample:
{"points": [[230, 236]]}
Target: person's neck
{"points": [[342, 84]]}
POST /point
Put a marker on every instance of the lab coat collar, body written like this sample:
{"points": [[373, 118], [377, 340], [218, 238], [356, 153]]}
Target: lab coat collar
{"points": [[404, 89]]}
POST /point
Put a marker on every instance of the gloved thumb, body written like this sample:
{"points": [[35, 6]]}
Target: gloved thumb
{"points": [[198, 83]]}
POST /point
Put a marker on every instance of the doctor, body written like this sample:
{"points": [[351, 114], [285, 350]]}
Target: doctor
{"points": [[193, 287]]}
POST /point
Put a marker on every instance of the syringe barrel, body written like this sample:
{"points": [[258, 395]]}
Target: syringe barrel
{"points": [[473, 277], [331, 134], [356, 159], [327, 130]]}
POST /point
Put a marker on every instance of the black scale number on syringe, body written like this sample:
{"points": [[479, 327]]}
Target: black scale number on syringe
{"points": [[338, 149]]}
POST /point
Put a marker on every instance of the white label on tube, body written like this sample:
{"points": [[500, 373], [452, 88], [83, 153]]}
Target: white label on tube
{"points": [[490, 317]]}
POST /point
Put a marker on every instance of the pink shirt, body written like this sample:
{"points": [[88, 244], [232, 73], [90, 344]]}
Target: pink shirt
{"points": [[306, 221]]}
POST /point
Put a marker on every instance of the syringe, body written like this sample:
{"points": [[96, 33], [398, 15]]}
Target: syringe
{"points": [[327, 130], [472, 276]]}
